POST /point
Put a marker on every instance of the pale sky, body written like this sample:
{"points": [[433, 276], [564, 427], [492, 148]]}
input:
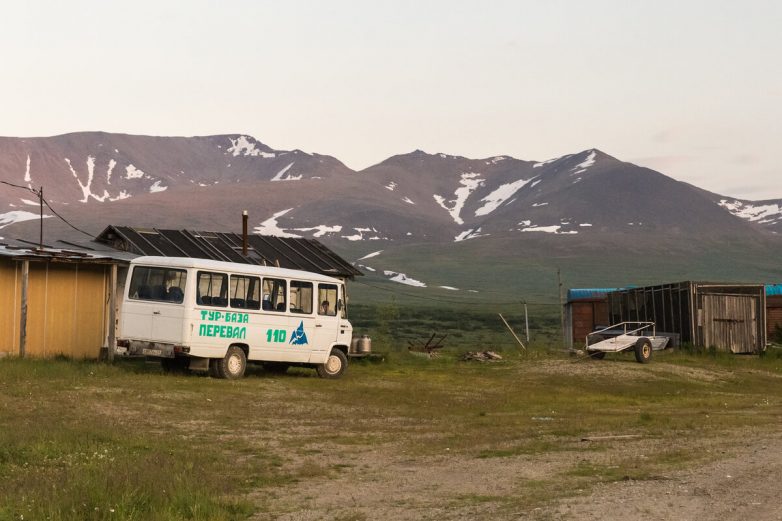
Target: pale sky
{"points": [[690, 88]]}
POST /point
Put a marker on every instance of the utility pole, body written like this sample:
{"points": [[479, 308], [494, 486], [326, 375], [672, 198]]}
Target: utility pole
{"points": [[561, 305], [40, 200]]}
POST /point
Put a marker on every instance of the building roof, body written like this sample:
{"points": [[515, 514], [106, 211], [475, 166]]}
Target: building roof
{"points": [[71, 255], [589, 293], [773, 290], [291, 253]]}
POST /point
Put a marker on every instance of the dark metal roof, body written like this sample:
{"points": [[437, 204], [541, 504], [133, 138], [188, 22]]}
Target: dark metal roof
{"points": [[291, 253], [71, 255]]}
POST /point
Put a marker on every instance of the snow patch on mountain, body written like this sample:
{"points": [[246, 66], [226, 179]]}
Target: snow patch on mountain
{"points": [[546, 162], [27, 178], [582, 167], [408, 200], [759, 213], [112, 164], [289, 177], [359, 235], [469, 234], [270, 226], [470, 181], [131, 172], [18, 216], [30, 203], [122, 195], [157, 187], [450, 288], [499, 196], [555, 229], [403, 279], [391, 186], [370, 255], [495, 160], [321, 230], [243, 146], [539, 204], [86, 188]]}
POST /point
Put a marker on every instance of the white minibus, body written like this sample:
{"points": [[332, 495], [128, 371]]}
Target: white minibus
{"points": [[212, 315]]}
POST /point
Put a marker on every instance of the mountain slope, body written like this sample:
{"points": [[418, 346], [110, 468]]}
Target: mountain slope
{"points": [[96, 178]]}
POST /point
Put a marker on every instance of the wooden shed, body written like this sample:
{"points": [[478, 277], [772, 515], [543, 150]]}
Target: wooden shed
{"points": [[729, 317], [586, 309], [56, 302]]}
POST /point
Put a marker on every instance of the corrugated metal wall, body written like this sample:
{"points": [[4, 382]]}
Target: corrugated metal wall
{"points": [[66, 308]]}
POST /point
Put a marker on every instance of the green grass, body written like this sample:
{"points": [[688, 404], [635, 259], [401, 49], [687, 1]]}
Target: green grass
{"points": [[84, 440]]}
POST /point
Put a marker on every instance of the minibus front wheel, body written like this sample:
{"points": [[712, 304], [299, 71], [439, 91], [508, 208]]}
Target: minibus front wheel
{"points": [[334, 366]]}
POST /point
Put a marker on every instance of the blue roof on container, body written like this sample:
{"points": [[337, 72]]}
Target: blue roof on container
{"points": [[588, 293], [773, 289]]}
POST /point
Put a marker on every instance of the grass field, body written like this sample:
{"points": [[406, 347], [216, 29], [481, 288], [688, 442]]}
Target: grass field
{"points": [[401, 438]]}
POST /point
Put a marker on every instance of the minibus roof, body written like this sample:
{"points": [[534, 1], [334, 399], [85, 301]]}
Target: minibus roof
{"points": [[233, 267]]}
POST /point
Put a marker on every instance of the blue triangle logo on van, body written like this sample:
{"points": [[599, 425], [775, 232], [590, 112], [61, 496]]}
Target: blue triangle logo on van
{"points": [[299, 337]]}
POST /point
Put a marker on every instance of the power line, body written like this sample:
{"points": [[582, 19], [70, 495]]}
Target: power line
{"points": [[20, 186], [63, 219], [40, 196]]}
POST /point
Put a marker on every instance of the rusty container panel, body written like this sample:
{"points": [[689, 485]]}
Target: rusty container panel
{"points": [[774, 314], [583, 321]]}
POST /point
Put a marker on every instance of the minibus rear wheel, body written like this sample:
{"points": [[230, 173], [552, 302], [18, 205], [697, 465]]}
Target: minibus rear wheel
{"points": [[334, 366], [232, 366]]}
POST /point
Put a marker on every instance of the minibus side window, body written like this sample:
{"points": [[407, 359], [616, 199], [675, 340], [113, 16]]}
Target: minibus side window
{"points": [[301, 297], [274, 295], [327, 299], [343, 309], [157, 284], [245, 292], [212, 289]]}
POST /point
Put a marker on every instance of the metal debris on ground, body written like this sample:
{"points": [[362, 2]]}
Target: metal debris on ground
{"points": [[480, 356], [430, 347]]}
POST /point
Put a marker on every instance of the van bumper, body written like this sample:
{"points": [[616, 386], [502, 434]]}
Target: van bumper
{"points": [[156, 349]]}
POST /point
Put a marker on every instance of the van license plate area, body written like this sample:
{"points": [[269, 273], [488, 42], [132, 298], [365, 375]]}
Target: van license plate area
{"points": [[151, 352]]}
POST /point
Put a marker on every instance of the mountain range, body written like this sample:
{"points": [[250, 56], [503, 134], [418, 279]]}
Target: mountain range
{"points": [[587, 201]]}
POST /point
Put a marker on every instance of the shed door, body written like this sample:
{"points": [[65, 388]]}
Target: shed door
{"points": [[730, 323]]}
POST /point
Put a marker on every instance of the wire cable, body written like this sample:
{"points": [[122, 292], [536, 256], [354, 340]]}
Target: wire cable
{"points": [[63, 219], [38, 193], [20, 186]]}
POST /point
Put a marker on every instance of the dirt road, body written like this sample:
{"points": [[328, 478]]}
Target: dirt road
{"points": [[745, 485]]}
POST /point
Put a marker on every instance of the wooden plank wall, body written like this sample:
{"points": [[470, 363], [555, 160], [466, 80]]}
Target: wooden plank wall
{"points": [[66, 309], [730, 323]]}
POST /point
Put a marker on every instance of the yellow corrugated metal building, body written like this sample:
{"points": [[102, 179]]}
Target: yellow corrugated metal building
{"points": [[68, 305]]}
